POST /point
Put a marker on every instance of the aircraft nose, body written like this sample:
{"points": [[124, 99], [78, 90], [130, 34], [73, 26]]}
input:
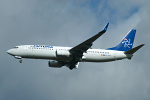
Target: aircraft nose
{"points": [[9, 51]]}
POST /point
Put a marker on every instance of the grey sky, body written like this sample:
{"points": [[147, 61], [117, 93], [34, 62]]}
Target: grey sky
{"points": [[68, 23]]}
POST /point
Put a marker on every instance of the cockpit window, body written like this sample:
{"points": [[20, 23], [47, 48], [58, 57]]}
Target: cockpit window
{"points": [[15, 47]]}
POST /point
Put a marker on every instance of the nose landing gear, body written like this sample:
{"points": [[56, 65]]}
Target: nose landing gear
{"points": [[20, 61], [18, 57]]}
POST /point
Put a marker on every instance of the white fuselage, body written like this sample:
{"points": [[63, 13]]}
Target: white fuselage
{"points": [[50, 52]]}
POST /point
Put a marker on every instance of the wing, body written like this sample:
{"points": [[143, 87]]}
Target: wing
{"points": [[78, 50]]}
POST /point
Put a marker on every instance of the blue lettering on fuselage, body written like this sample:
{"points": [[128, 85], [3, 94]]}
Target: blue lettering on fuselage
{"points": [[42, 46]]}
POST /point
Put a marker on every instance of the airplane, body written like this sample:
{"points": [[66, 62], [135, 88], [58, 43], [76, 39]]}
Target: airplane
{"points": [[71, 56]]}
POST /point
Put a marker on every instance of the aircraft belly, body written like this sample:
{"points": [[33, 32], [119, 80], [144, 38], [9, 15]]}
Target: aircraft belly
{"points": [[63, 59]]}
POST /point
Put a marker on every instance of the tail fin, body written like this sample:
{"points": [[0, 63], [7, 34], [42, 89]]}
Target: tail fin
{"points": [[126, 43]]}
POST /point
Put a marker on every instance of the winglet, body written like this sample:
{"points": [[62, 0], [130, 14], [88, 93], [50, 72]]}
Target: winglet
{"points": [[131, 51], [105, 29]]}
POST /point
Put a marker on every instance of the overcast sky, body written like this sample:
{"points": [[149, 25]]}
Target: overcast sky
{"points": [[68, 23]]}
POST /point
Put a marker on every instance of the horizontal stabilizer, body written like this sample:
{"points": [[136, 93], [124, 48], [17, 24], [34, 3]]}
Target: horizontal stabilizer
{"points": [[131, 51]]}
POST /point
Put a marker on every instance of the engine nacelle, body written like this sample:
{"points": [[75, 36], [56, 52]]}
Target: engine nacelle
{"points": [[62, 53], [55, 64]]}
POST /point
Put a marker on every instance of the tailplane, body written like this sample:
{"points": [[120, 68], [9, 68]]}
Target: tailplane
{"points": [[127, 42], [131, 51]]}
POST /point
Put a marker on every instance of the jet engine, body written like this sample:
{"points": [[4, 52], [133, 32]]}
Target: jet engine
{"points": [[55, 64], [62, 53]]}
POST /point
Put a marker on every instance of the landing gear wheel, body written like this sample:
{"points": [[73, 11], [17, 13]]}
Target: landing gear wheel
{"points": [[20, 61], [70, 68]]}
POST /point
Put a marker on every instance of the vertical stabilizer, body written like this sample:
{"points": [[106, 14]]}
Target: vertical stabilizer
{"points": [[126, 43]]}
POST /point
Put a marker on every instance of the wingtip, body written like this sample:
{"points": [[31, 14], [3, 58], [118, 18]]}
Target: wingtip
{"points": [[105, 29], [142, 45]]}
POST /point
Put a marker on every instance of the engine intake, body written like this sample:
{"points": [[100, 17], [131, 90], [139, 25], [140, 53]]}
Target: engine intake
{"points": [[55, 64]]}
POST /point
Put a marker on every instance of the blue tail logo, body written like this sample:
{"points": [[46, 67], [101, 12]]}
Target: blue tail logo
{"points": [[126, 43]]}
